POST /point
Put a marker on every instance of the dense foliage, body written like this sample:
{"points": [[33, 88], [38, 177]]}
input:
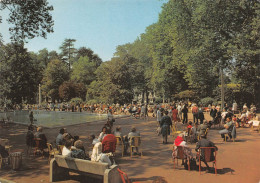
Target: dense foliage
{"points": [[177, 58]]}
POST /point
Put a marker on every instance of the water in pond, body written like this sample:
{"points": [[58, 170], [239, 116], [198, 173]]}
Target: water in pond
{"points": [[52, 118]]}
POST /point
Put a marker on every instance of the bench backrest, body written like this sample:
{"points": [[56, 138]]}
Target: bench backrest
{"points": [[97, 168]]}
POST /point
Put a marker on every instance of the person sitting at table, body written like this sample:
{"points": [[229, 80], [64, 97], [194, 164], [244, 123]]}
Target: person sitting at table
{"points": [[78, 151], [203, 142], [228, 127], [39, 134], [66, 151]]}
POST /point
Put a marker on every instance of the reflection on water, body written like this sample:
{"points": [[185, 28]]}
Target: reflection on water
{"points": [[52, 118]]}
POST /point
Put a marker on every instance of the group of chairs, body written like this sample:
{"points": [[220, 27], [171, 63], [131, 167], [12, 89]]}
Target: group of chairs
{"points": [[204, 154], [39, 149], [134, 142]]}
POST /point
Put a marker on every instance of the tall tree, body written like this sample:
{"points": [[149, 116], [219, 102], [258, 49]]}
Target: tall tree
{"points": [[84, 71], [83, 51], [68, 51], [29, 18], [54, 75], [19, 76]]}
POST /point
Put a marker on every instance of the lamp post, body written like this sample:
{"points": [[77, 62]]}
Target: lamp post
{"points": [[40, 96]]}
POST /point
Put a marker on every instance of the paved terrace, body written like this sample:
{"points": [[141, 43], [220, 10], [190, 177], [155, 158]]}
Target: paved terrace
{"points": [[236, 161]]}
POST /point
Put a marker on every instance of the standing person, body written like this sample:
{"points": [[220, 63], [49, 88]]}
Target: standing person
{"points": [[179, 111], [213, 113], [31, 117], [174, 114], [159, 116], [165, 124], [201, 115], [145, 111], [185, 114], [234, 107], [195, 111]]}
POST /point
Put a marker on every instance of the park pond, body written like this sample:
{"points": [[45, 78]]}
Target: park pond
{"points": [[53, 118]]}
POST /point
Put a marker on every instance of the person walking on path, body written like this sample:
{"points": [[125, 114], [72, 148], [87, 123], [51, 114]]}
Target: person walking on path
{"points": [[159, 115], [165, 124], [185, 114], [195, 111]]}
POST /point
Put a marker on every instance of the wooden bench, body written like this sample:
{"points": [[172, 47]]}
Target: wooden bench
{"points": [[60, 166]]}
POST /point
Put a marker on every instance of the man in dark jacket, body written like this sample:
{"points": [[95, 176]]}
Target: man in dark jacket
{"points": [[165, 124], [203, 142]]}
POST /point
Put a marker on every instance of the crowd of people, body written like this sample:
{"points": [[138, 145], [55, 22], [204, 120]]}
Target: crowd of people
{"points": [[103, 146]]}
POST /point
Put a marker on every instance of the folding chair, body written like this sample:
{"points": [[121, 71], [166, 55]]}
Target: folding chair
{"points": [[135, 141], [52, 151], [178, 153], [119, 141], [60, 148], [38, 147], [174, 131], [231, 134], [206, 152]]}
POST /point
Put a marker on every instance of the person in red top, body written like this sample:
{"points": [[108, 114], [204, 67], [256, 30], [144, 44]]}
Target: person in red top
{"points": [[195, 112], [174, 114], [190, 125], [109, 144]]}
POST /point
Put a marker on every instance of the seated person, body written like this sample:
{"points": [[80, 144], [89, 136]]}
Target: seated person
{"points": [[195, 132], [30, 137], [118, 133], [66, 151], [242, 118], [202, 128], [254, 121], [228, 128], [234, 119], [4, 153], [78, 151], [102, 134], [39, 134], [179, 141], [98, 156], [108, 126], [203, 142], [59, 138], [93, 139], [132, 134], [109, 143]]}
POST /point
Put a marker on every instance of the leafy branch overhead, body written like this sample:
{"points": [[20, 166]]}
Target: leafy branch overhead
{"points": [[29, 19]]}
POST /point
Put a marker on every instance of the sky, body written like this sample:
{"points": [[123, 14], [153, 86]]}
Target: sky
{"points": [[101, 25]]}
